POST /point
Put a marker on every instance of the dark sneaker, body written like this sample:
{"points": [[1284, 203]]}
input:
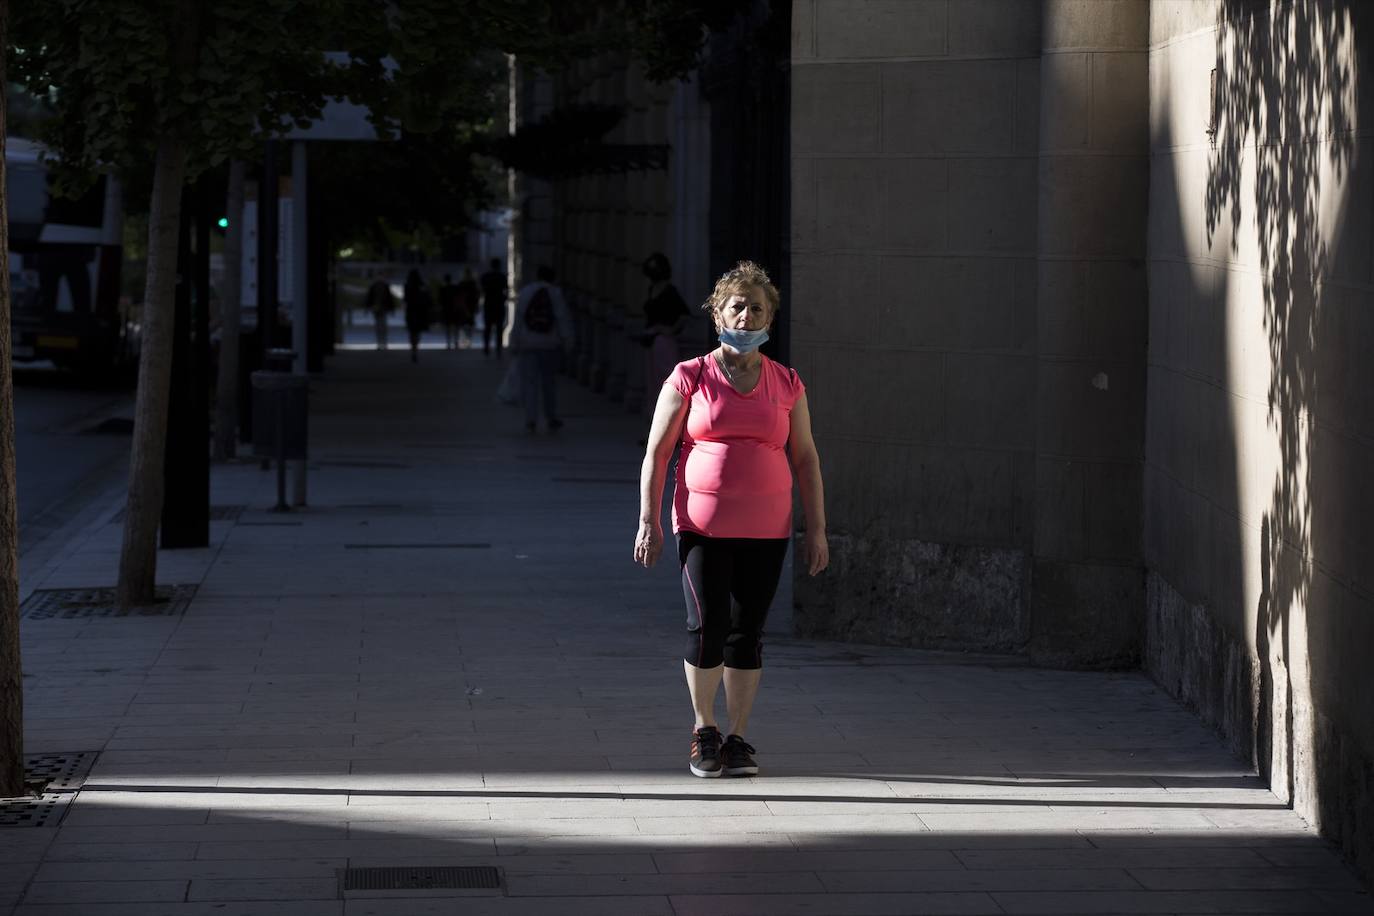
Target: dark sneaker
{"points": [[705, 759], [737, 757]]}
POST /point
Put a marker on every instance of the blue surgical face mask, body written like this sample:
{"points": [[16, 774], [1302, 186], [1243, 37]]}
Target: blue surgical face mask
{"points": [[743, 341]]}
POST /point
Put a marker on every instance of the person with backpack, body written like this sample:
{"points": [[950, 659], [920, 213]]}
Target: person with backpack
{"points": [[541, 330], [380, 302], [744, 428]]}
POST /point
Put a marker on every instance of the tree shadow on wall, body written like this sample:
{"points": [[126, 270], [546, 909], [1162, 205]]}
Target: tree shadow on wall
{"points": [[1281, 167]]}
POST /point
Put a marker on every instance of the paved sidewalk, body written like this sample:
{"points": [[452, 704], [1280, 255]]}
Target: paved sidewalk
{"points": [[449, 659]]}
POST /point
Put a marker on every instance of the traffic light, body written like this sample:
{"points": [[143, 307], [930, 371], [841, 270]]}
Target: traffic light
{"points": [[222, 224]]}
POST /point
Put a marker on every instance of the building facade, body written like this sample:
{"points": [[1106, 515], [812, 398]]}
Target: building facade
{"points": [[1080, 291]]}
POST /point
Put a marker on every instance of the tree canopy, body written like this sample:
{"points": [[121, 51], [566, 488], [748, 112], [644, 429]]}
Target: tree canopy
{"points": [[106, 70], [120, 75]]}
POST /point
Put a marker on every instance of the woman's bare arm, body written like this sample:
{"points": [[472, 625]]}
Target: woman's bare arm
{"points": [[806, 466], [664, 433]]}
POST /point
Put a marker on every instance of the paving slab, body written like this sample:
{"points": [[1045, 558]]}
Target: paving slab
{"points": [[351, 686]]}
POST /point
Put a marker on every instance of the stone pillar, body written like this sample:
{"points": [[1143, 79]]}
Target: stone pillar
{"points": [[1087, 588], [690, 168]]}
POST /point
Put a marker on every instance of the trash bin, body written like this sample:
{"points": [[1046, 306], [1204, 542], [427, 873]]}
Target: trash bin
{"points": [[279, 415], [279, 359]]}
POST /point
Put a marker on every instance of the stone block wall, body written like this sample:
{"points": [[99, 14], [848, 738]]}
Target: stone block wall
{"points": [[1259, 506], [1087, 582], [1084, 294], [912, 309], [596, 229]]}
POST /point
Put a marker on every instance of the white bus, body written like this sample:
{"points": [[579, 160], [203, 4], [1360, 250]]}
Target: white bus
{"points": [[64, 264]]}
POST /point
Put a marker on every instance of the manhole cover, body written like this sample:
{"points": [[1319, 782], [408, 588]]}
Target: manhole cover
{"points": [[47, 603], [421, 878], [54, 779]]}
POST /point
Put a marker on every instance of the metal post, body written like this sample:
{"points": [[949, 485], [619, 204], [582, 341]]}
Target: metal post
{"points": [[267, 248], [267, 255], [281, 505], [300, 289]]}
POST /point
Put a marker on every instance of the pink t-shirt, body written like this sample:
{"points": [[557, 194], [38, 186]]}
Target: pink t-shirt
{"points": [[734, 479]]}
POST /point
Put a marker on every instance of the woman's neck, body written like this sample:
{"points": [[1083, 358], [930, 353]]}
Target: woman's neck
{"points": [[739, 362]]}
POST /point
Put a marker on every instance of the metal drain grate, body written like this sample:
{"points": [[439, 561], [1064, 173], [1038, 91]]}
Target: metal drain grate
{"points": [[417, 547], [361, 464], [217, 514], [54, 779], [421, 878], [47, 603], [452, 446], [60, 771], [38, 811]]}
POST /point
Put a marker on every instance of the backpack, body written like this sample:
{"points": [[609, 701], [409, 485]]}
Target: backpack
{"points": [[539, 313]]}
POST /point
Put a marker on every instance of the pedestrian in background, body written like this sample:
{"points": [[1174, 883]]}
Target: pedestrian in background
{"points": [[493, 306], [541, 330], [740, 418], [665, 315], [380, 302], [417, 311], [468, 296], [448, 311]]}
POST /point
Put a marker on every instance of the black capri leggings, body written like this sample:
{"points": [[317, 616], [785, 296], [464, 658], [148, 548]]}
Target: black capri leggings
{"points": [[728, 584]]}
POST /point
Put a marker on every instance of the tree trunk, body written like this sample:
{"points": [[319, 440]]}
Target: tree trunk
{"points": [[11, 666], [138, 556], [231, 306]]}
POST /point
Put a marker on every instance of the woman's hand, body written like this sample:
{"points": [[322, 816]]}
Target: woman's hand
{"points": [[817, 552], [648, 544]]}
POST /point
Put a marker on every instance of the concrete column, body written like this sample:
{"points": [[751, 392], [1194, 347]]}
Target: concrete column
{"points": [[300, 303], [515, 238], [690, 166], [1087, 588]]}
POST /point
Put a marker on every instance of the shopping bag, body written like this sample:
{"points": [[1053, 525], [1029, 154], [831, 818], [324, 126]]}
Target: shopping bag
{"points": [[508, 392]]}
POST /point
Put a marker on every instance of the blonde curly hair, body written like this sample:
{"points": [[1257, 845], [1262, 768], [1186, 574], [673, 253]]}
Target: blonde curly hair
{"points": [[738, 280]]}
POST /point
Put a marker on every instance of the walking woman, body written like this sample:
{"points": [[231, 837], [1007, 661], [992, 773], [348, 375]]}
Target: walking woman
{"points": [[745, 430]]}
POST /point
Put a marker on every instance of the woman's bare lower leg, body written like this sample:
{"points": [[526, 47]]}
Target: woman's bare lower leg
{"points": [[741, 687], [702, 684]]}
